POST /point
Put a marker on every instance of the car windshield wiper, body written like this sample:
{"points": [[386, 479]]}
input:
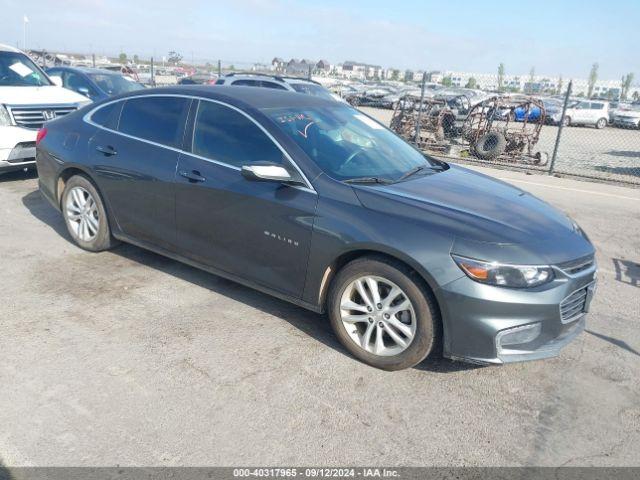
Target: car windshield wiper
{"points": [[382, 181], [419, 168]]}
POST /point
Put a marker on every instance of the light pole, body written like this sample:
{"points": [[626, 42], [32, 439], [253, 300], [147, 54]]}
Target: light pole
{"points": [[25, 20]]}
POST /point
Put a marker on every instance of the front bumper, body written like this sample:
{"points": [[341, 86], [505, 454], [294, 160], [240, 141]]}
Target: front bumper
{"points": [[17, 148], [478, 318], [626, 122]]}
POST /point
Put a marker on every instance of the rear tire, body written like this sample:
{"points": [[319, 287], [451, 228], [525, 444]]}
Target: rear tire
{"points": [[566, 121], [85, 215], [397, 332]]}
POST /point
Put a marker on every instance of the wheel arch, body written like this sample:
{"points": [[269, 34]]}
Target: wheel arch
{"points": [[418, 272], [65, 175]]}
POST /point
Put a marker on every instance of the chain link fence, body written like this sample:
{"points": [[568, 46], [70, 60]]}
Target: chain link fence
{"points": [[567, 134]]}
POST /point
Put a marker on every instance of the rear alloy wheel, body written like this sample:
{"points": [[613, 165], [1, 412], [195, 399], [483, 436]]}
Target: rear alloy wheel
{"points": [[381, 315], [600, 124], [85, 215], [566, 121]]}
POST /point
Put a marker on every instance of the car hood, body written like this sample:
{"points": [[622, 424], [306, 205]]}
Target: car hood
{"points": [[477, 209], [49, 95], [627, 113]]}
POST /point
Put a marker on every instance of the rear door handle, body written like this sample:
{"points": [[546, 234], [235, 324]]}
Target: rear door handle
{"points": [[107, 151], [193, 176]]}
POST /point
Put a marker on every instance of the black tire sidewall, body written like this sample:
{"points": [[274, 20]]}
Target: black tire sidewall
{"points": [[426, 314], [103, 239]]}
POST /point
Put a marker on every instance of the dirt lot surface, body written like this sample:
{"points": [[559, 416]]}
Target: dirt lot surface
{"points": [[129, 358]]}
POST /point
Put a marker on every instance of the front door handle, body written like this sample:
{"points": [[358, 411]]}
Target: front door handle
{"points": [[108, 151], [193, 176]]}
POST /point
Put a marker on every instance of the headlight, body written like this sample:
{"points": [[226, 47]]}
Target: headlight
{"points": [[513, 276], [5, 118]]}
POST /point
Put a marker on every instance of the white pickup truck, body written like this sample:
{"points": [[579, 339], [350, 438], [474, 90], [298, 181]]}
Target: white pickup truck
{"points": [[28, 98]]}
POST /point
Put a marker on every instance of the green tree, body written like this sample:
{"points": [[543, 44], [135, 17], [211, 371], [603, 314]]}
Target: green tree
{"points": [[501, 77], [136, 59], [626, 85], [471, 83], [174, 57], [446, 81], [593, 78], [532, 79], [122, 58], [636, 96], [395, 74], [560, 85]]}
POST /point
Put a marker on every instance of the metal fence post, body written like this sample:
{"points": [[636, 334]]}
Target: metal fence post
{"points": [[152, 78], [424, 82], [93, 60], [560, 127], [219, 68]]}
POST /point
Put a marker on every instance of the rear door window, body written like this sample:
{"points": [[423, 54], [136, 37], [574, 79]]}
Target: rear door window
{"points": [[156, 119], [225, 135], [108, 115], [246, 83], [272, 85]]}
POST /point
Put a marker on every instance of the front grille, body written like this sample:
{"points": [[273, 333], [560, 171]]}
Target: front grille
{"points": [[576, 266], [574, 305], [34, 116]]}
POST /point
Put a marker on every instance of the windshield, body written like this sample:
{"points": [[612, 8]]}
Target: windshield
{"points": [[347, 144], [114, 84], [311, 89], [17, 70]]}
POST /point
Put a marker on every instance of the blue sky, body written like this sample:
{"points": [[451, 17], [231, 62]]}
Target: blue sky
{"points": [[556, 37]]}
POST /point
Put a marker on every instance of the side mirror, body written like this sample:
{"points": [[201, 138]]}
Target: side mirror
{"points": [[83, 91], [266, 173], [57, 81]]}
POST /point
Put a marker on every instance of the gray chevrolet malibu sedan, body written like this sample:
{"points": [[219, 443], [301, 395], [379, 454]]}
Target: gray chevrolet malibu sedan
{"points": [[318, 204]]}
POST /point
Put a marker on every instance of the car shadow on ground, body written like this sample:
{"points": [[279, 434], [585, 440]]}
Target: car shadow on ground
{"points": [[627, 271], [614, 341], [315, 325], [624, 153]]}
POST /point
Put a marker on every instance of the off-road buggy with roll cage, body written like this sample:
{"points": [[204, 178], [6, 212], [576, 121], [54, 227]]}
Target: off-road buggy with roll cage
{"points": [[492, 129]]}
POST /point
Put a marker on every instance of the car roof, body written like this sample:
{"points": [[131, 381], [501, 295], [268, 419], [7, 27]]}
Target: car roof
{"points": [[8, 48], [279, 78], [242, 97]]}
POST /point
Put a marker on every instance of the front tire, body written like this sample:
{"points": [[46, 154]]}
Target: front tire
{"points": [[566, 121], [600, 124], [85, 215], [382, 313]]}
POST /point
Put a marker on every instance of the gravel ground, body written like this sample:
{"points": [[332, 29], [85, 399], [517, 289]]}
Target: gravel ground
{"points": [[129, 358], [611, 153]]}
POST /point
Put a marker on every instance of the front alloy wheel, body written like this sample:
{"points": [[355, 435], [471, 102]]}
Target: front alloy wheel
{"points": [[378, 315], [383, 313]]}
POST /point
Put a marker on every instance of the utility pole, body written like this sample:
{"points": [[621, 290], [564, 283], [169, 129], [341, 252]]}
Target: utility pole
{"points": [[25, 20]]}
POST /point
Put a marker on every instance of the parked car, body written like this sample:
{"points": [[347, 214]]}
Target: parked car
{"points": [[28, 97], [627, 118], [198, 79], [587, 112], [126, 71], [94, 83], [320, 205], [278, 82]]}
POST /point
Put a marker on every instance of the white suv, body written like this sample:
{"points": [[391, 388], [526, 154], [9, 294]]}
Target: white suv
{"points": [[28, 98], [278, 82], [587, 112]]}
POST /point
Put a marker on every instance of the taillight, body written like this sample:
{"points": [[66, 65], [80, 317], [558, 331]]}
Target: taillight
{"points": [[40, 136]]}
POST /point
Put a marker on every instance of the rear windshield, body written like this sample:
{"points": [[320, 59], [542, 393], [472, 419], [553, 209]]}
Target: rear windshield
{"points": [[312, 89], [18, 70]]}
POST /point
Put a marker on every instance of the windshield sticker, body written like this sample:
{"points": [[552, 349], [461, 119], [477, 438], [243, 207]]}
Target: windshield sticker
{"points": [[21, 69], [294, 117], [368, 122]]}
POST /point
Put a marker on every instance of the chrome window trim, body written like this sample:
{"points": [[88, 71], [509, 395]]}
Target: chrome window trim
{"points": [[87, 118]]}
